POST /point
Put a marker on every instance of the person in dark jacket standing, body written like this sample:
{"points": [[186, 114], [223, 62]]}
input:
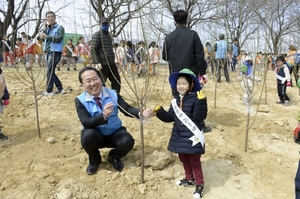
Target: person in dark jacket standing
{"points": [[104, 57], [183, 49], [97, 109], [187, 111]]}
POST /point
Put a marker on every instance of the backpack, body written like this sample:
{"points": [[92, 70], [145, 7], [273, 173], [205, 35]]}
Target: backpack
{"points": [[297, 58]]}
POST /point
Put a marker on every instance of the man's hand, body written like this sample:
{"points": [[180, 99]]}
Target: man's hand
{"points": [[288, 83], [43, 36], [148, 113], [108, 109], [203, 79], [98, 66]]}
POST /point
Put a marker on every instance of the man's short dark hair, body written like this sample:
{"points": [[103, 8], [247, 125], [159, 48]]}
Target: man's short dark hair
{"points": [[221, 37], [85, 69], [180, 16], [50, 12]]}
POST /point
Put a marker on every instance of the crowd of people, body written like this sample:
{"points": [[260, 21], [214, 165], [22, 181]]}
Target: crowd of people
{"points": [[97, 106]]}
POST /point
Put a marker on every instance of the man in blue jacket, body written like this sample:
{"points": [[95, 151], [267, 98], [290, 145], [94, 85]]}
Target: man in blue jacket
{"points": [[97, 109], [221, 48], [53, 34]]}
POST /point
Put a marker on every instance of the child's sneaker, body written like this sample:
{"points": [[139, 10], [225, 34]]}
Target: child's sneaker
{"points": [[185, 182], [198, 192]]}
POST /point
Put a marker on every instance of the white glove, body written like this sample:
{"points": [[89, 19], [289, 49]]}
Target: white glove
{"points": [[98, 66], [206, 77], [283, 80]]}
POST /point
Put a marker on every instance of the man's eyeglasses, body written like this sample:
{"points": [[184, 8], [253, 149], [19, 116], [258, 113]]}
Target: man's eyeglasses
{"points": [[92, 80]]}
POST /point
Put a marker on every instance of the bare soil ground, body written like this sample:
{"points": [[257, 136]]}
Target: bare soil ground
{"points": [[33, 168]]}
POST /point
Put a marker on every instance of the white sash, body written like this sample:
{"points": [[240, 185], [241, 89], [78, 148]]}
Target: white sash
{"points": [[198, 135], [7, 46], [30, 44], [282, 79], [70, 49]]}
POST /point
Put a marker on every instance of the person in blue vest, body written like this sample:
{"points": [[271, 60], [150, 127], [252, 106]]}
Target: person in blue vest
{"points": [[97, 108], [221, 58], [53, 34], [235, 53]]}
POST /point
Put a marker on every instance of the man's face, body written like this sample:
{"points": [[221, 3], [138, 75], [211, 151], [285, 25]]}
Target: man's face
{"points": [[91, 83], [50, 18]]}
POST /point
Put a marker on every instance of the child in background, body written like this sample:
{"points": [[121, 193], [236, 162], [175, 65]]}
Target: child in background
{"points": [[121, 56], [7, 52], [187, 111], [69, 51], [29, 53], [153, 57], [248, 77], [130, 58], [38, 50], [241, 59], [116, 45], [283, 80], [19, 48], [84, 52]]}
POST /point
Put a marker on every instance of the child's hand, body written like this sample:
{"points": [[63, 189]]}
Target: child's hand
{"points": [[200, 95]]}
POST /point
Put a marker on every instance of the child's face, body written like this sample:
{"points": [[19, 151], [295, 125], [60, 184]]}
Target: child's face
{"points": [[82, 40], [279, 63], [69, 42], [183, 85]]}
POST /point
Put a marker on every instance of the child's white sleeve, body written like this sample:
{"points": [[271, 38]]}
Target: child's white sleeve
{"points": [[287, 73]]}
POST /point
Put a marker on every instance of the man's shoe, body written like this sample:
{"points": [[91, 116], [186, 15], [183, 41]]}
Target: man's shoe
{"points": [[92, 169], [68, 69], [75, 69], [116, 162], [206, 129], [45, 93], [3, 137], [62, 91]]}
